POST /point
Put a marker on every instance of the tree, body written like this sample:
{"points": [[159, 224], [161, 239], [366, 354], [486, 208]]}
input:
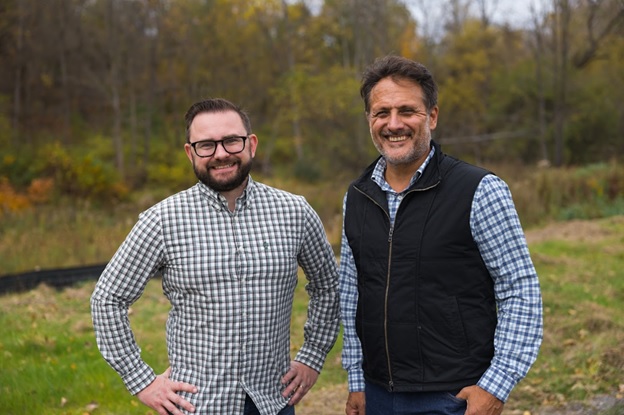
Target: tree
{"points": [[538, 48]]}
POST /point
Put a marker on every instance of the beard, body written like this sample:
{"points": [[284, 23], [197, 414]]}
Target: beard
{"points": [[204, 176], [417, 151], [421, 145]]}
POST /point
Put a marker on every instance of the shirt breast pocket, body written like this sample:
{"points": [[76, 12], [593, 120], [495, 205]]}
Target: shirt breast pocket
{"points": [[272, 259]]}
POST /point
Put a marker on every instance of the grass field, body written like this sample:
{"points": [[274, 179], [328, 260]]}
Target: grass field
{"points": [[49, 363]]}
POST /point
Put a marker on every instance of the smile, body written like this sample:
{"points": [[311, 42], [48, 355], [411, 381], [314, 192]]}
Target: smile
{"points": [[397, 138], [226, 166]]}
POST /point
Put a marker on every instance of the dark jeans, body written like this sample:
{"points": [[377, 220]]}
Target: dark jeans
{"points": [[250, 408], [381, 402]]}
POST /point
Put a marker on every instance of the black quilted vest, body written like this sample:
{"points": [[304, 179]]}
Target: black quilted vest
{"points": [[426, 313]]}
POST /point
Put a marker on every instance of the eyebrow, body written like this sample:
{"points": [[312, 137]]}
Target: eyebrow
{"points": [[400, 108], [225, 137]]}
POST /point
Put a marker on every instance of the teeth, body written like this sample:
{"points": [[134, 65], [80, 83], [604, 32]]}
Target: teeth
{"points": [[224, 167], [397, 138]]}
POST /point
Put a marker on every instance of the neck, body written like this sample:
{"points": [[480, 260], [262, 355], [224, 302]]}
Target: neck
{"points": [[399, 176], [232, 195]]}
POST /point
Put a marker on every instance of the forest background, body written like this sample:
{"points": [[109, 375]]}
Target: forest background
{"points": [[93, 92]]}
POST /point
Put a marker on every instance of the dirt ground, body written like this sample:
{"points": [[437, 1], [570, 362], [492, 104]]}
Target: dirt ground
{"points": [[577, 230], [327, 401], [331, 401]]}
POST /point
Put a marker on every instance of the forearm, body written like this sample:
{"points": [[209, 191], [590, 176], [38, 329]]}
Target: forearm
{"points": [[351, 348], [116, 343], [119, 286], [519, 329], [322, 326], [517, 340], [318, 262]]}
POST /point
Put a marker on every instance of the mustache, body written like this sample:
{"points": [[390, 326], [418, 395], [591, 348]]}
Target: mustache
{"points": [[396, 133]]}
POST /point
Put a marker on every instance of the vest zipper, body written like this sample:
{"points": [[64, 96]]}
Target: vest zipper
{"points": [[391, 382], [391, 379]]}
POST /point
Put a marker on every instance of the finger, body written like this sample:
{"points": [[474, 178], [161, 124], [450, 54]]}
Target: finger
{"points": [[182, 403], [289, 376], [292, 380], [301, 390], [173, 402], [290, 389], [171, 409], [183, 386], [173, 396]]}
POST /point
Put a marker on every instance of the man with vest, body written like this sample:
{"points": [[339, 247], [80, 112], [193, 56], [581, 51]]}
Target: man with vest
{"points": [[440, 301]]}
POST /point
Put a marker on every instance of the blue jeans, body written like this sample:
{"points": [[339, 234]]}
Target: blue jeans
{"points": [[381, 402], [250, 408]]}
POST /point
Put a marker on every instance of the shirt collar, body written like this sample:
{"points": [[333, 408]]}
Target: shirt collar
{"points": [[378, 175], [216, 199]]}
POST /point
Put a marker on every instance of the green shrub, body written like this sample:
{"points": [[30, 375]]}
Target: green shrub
{"points": [[547, 194], [81, 176]]}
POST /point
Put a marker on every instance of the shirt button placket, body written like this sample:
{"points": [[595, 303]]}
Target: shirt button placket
{"points": [[244, 300]]}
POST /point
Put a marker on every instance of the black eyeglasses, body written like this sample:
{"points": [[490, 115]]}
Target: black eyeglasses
{"points": [[233, 144]]}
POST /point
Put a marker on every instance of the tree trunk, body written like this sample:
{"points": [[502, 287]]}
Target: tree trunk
{"points": [[19, 70], [115, 87], [562, 24], [539, 52]]}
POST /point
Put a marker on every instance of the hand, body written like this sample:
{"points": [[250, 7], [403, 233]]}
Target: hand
{"points": [[161, 395], [299, 380], [480, 402], [356, 404]]}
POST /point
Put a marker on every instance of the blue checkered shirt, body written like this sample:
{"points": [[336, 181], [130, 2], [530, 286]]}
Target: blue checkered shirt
{"points": [[230, 278], [497, 231]]}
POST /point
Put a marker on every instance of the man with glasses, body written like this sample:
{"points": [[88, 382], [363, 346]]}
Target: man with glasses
{"points": [[228, 250]]}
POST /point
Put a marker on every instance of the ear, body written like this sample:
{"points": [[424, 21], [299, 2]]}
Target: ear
{"points": [[189, 152], [433, 118], [253, 144]]}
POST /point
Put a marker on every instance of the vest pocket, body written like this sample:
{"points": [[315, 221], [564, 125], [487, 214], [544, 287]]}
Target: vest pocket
{"points": [[445, 328]]}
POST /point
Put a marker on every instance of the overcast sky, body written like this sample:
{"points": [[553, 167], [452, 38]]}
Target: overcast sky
{"points": [[516, 13]]}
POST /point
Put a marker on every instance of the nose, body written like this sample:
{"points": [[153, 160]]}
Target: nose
{"points": [[395, 122], [220, 151]]}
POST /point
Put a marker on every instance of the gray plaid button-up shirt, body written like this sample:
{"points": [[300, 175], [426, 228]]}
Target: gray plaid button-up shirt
{"points": [[230, 278]]}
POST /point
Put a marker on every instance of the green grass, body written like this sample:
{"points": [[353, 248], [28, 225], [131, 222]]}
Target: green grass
{"points": [[61, 236], [582, 282], [49, 362]]}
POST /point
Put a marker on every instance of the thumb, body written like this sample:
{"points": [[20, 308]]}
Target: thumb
{"points": [[463, 394], [167, 372]]}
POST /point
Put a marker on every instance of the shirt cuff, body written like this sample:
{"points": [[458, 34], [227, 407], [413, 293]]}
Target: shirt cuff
{"points": [[356, 380], [498, 383], [139, 378], [311, 357]]}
